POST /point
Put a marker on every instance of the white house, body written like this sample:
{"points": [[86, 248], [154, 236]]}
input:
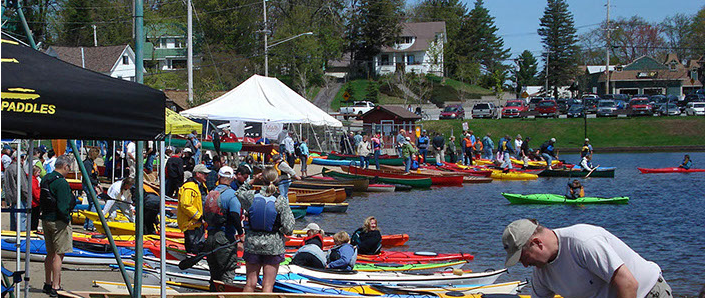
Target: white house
{"points": [[419, 49], [115, 61]]}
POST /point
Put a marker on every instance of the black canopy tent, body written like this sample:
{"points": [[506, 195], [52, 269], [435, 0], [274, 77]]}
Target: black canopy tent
{"points": [[46, 98]]}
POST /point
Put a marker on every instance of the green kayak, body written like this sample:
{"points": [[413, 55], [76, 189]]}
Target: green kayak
{"points": [[559, 199], [224, 147]]}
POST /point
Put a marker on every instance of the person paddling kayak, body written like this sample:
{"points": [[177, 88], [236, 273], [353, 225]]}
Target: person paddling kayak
{"points": [[575, 190], [368, 239], [687, 163]]}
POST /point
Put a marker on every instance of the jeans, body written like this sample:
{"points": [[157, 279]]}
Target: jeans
{"points": [[407, 163], [423, 152], [13, 218], [284, 188], [548, 158], [440, 157], [149, 163], [399, 152], [364, 161], [197, 156], [377, 158], [506, 161], [487, 154], [467, 157], [111, 207], [88, 225], [103, 145]]}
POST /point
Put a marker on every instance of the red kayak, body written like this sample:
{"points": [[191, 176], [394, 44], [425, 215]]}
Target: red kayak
{"points": [[446, 180], [454, 168], [408, 257], [387, 240], [669, 170]]}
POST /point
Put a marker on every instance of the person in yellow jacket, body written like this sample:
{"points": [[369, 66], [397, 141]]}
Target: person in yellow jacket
{"points": [[189, 214]]}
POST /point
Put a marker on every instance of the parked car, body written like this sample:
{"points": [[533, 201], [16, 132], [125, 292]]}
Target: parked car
{"points": [[514, 108], [533, 102], [694, 98], [695, 108], [590, 105], [453, 112], [622, 97], [669, 109], [358, 108], [574, 101], [484, 110], [606, 108], [562, 105], [547, 108], [575, 111], [654, 100], [639, 107]]}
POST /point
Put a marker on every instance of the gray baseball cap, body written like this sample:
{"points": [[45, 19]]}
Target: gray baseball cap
{"points": [[201, 168], [515, 236]]}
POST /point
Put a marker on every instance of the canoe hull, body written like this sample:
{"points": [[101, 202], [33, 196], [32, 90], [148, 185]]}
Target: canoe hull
{"points": [[668, 170], [413, 182], [607, 173]]}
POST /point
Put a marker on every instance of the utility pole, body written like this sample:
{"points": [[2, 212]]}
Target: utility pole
{"points": [[548, 54], [608, 48], [266, 51], [95, 36], [189, 50]]}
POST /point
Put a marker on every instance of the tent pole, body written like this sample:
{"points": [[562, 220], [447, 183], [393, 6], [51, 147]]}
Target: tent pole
{"points": [[113, 161], [316, 137], [92, 196], [139, 220], [162, 222], [28, 221], [122, 159], [19, 203]]}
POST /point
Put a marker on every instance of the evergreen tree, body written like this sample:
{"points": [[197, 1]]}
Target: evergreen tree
{"points": [[113, 20], [452, 13], [558, 35], [478, 41], [372, 25], [372, 91], [526, 70]]}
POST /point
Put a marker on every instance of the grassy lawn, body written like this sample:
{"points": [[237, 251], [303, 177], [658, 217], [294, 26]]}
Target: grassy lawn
{"points": [[603, 132], [472, 89], [359, 88]]}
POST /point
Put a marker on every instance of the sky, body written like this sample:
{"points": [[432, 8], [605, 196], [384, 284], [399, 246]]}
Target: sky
{"points": [[518, 20]]}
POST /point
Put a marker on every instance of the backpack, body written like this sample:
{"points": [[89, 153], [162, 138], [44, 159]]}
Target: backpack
{"points": [[263, 215], [47, 199], [212, 211], [297, 149]]}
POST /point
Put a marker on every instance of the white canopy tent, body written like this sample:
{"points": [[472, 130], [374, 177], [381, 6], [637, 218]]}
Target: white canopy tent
{"points": [[263, 99]]}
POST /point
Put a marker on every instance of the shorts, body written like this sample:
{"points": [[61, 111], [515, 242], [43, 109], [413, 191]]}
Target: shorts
{"points": [[58, 237], [262, 259], [660, 290]]}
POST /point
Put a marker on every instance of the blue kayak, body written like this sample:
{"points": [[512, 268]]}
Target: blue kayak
{"points": [[78, 256], [331, 162]]}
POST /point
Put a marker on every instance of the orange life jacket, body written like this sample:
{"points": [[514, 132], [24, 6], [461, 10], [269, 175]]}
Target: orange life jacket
{"points": [[468, 142]]}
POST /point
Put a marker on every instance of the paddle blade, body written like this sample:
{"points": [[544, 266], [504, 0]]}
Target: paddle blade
{"points": [[189, 262]]}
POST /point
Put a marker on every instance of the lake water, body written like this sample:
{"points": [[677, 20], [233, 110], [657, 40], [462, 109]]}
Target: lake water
{"points": [[663, 222]]}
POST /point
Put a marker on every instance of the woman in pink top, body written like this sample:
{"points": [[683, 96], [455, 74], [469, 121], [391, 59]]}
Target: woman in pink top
{"points": [[376, 148]]}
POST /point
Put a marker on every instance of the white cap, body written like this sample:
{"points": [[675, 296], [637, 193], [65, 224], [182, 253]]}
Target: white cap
{"points": [[187, 150], [553, 140], [587, 140], [226, 172], [312, 227]]}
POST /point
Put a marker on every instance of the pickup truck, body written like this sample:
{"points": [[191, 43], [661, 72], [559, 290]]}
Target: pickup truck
{"points": [[358, 108]]}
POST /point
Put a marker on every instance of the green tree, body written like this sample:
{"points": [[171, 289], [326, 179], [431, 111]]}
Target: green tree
{"points": [[372, 91], [112, 18], [696, 34], [373, 24], [478, 41], [38, 14], [526, 70], [452, 13], [558, 35]]}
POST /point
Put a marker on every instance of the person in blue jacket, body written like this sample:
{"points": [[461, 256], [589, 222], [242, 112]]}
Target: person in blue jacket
{"points": [[343, 255], [687, 163], [422, 144]]}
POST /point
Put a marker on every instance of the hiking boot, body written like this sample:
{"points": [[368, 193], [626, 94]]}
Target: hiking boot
{"points": [[54, 292], [46, 289]]}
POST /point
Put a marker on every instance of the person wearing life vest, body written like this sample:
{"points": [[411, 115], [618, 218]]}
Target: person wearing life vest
{"points": [[548, 152], [286, 174], [586, 149], [505, 148], [488, 146], [368, 238], [189, 213], [687, 163], [270, 219], [468, 145], [221, 212], [478, 149], [575, 190], [422, 144], [311, 253], [585, 163], [343, 255]]}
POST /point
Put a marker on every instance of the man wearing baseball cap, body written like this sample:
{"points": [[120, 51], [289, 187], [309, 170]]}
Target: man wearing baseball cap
{"points": [[189, 213], [581, 261], [222, 215]]}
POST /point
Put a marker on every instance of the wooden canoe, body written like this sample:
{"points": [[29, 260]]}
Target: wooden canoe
{"points": [[416, 182], [359, 185], [436, 179], [318, 196], [301, 184]]}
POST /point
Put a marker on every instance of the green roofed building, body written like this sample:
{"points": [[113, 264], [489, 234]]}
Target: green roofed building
{"points": [[165, 48]]}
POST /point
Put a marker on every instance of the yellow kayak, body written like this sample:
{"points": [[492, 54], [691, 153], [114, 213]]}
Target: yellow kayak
{"points": [[124, 228], [78, 218], [501, 175], [535, 163], [450, 292]]}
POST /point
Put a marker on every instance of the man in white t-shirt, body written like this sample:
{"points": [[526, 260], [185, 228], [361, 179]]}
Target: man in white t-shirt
{"points": [[581, 261], [131, 158], [119, 197]]}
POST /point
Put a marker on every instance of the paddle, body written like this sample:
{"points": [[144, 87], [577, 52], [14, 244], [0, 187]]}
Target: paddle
{"points": [[593, 169], [190, 261]]}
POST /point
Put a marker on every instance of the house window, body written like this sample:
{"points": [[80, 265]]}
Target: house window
{"points": [[406, 39], [410, 60], [162, 43], [125, 60], [672, 66], [384, 60]]}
